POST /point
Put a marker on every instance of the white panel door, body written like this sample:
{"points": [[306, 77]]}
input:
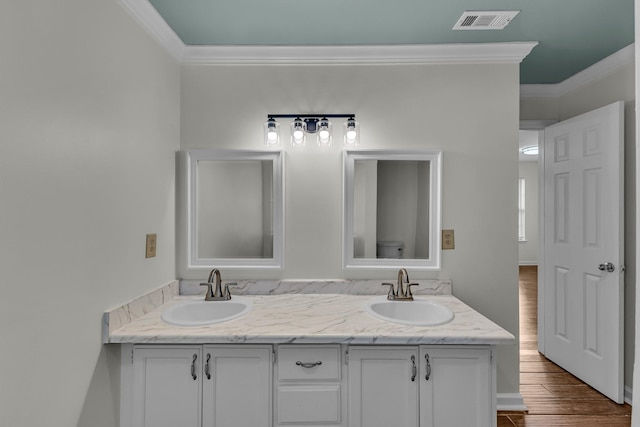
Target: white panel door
{"points": [[167, 387], [583, 247], [383, 387], [237, 386]]}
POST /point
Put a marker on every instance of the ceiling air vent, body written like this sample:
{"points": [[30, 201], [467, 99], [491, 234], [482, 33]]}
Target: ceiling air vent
{"points": [[485, 20]]}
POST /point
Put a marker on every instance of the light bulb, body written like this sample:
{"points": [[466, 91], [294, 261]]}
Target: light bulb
{"points": [[272, 136], [298, 132], [297, 137], [271, 133], [351, 132], [324, 132]]}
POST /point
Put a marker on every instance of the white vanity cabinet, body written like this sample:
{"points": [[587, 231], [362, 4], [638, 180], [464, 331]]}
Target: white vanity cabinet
{"points": [[309, 386], [456, 387], [320, 385], [165, 388], [425, 386], [197, 386], [236, 386], [383, 386]]}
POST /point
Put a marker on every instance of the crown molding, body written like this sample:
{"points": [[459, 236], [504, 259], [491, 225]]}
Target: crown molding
{"points": [[473, 53], [589, 75], [149, 18]]}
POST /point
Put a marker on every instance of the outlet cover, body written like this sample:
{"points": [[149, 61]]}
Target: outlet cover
{"points": [[448, 239], [151, 246]]}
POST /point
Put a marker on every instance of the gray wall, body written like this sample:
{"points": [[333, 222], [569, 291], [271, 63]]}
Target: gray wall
{"points": [[398, 203], [399, 107], [89, 123], [616, 86], [231, 197]]}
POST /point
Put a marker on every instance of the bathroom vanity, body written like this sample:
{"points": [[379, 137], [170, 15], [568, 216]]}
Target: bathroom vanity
{"points": [[315, 359], [309, 385]]}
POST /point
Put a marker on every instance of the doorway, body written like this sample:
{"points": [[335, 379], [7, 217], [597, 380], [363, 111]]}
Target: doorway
{"points": [[553, 396]]}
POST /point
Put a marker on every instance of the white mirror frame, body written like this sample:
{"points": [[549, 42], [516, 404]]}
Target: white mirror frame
{"points": [[193, 260], [435, 195]]}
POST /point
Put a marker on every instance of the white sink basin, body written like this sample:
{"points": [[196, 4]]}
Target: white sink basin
{"points": [[419, 312], [199, 313]]}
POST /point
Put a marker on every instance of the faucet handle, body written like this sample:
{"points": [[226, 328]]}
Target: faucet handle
{"points": [[392, 292], [409, 285], [209, 289], [227, 293]]}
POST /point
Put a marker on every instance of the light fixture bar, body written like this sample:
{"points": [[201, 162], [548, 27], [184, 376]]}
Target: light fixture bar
{"points": [[303, 124], [305, 116]]}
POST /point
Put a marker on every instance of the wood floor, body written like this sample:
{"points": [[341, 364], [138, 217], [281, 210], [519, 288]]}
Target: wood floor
{"points": [[554, 397]]}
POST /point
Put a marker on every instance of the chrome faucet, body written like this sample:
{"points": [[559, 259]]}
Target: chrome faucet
{"points": [[216, 294], [400, 292]]}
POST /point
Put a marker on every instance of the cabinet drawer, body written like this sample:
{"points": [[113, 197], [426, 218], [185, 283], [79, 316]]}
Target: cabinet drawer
{"points": [[300, 363], [309, 404]]}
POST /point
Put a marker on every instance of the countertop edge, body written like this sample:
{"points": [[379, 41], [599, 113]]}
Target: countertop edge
{"points": [[333, 315]]}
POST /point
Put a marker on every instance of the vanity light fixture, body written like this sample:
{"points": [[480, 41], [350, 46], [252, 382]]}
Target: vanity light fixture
{"points": [[271, 132], [531, 150], [305, 124], [324, 132], [298, 132], [351, 132]]}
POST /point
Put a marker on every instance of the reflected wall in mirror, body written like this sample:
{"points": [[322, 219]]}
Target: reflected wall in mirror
{"points": [[392, 209], [235, 209]]}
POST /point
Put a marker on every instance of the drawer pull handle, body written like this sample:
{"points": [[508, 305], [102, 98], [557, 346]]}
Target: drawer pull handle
{"points": [[193, 367], [414, 369], [207, 371], [309, 364], [426, 358]]}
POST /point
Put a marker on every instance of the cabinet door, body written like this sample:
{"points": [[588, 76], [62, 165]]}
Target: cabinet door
{"points": [[167, 387], [456, 388], [237, 386], [383, 386]]}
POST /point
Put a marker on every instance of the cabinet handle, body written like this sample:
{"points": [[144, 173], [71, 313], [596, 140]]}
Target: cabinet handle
{"points": [[414, 369], [193, 367], [309, 364], [426, 358], [206, 367]]}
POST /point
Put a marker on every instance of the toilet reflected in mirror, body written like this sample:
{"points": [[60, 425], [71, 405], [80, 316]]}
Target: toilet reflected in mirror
{"points": [[392, 209]]}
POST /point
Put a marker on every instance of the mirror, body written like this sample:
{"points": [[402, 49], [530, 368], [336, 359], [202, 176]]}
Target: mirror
{"points": [[236, 207], [392, 209]]}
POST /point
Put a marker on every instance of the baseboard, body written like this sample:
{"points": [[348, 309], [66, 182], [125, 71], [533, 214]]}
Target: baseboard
{"points": [[528, 263], [510, 402], [514, 402]]}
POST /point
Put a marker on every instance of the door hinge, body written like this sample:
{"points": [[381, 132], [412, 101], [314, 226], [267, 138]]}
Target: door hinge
{"points": [[132, 355], [346, 357], [273, 352]]}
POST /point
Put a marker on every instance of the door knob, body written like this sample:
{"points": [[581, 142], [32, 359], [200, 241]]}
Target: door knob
{"points": [[607, 266]]}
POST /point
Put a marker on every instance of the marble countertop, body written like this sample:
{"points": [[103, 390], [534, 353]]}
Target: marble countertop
{"points": [[313, 318]]}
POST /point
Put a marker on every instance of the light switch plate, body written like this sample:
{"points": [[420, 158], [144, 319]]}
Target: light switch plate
{"points": [[448, 239], [151, 246]]}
